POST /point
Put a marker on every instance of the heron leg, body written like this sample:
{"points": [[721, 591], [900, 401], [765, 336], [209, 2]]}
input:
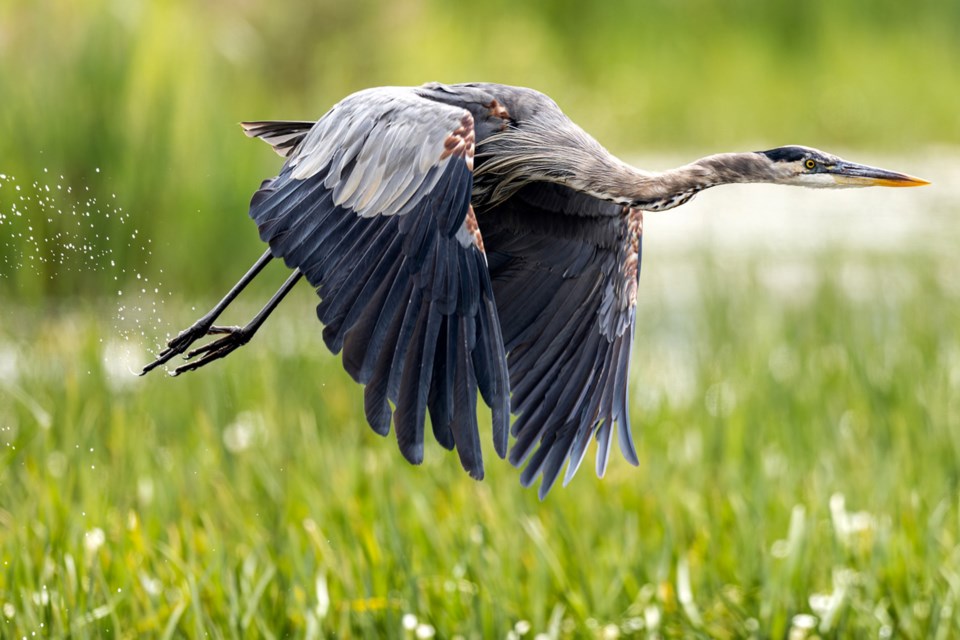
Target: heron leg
{"points": [[236, 337], [204, 325]]}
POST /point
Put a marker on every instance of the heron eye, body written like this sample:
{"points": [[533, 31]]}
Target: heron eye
{"points": [[810, 163]]}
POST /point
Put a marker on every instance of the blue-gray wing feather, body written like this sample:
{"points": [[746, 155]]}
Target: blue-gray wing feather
{"points": [[373, 206], [564, 267]]}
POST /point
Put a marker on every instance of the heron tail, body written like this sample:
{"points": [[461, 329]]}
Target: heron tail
{"points": [[283, 135]]}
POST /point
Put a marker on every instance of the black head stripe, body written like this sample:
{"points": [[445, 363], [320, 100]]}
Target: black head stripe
{"points": [[786, 154]]}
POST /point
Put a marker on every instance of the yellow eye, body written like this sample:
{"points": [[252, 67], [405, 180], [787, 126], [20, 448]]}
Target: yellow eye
{"points": [[810, 163]]}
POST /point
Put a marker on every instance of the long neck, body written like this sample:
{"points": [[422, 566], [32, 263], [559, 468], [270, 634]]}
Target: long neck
{"points": [[666, 189], [562, 152]]}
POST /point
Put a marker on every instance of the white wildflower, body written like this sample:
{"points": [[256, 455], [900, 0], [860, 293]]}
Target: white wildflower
{"points": [[243, 432], [804, 622], [93, 540], [611, 632]]}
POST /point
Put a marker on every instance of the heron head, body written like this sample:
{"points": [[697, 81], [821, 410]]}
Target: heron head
{"points": [[808, 167]]}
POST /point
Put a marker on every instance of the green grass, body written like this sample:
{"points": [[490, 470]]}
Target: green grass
{"points": [[799, 448], [799, 454]]}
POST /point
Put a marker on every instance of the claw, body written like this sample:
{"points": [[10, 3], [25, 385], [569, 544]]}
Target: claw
{"points": [[216, 344], [233, 337], [204, 326], [180, 343], [215, 350]]}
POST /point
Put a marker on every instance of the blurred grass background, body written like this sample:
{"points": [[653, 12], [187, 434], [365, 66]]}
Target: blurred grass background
{"points": [[798, 438], [798, 477], [151, 92]]}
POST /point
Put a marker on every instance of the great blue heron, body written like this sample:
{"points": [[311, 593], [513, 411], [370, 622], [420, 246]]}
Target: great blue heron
{"points": [[513, 271]]}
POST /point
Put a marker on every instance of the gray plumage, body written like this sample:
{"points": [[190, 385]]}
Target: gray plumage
{"points": [[469, 239]]}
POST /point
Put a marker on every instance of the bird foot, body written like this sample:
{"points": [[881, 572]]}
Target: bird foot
{"points": [[233, 338], [182, 341]]}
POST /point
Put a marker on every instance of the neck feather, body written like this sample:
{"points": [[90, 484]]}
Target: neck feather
{"points": [[631, 186], [518, 156]]}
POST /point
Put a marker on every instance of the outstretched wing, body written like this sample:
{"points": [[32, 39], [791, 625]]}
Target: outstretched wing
{"points": [[564, 267], [373, 206]]}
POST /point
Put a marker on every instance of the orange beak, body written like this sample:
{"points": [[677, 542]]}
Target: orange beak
{"points": [[849, 174]]}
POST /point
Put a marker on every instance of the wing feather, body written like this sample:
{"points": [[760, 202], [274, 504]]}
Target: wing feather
{"points": [[440, 398], [282, 135], [564, 267], [372, 207]]}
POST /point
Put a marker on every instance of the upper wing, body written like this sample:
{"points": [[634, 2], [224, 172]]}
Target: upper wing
{"points": [[564, 267], [373, 206]]}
